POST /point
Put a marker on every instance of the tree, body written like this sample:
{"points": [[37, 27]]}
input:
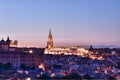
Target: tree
{"points": [[45, 76], [7, 66], [111, 78], [57, 66], [1, 65], [22, 66], [87, 77], [73, 76]]}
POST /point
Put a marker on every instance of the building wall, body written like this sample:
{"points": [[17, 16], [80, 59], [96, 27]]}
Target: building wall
{"points": [[30, 59], [18, 58], [10, 57]]}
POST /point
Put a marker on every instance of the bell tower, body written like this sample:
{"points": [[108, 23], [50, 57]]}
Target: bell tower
{"points": [[50, 40]]}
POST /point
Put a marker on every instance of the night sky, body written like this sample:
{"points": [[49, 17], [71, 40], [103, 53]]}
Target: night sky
{"points": [[73, 22]]}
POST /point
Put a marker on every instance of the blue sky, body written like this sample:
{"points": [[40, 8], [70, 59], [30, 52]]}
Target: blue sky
{"points": [[73, 22]]}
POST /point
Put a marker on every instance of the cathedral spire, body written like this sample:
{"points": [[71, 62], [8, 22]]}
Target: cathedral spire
{"points": [[50, 39], [50, 35], [50, 31]]}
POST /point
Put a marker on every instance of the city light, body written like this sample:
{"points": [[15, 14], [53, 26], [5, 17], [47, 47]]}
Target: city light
{"points": [[41, 66], [30, 51], [28, 78]]}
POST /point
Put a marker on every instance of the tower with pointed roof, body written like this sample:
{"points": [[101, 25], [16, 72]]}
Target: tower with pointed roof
{"points": [[8, 41], [50, 40]]}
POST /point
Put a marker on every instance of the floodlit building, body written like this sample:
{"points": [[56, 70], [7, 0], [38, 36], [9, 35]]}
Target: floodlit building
{"points": [[58, 50]]}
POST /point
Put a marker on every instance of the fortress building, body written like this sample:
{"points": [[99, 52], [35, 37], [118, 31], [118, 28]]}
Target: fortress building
{"points": [[17, 57], [64, 50], [8, 44]]}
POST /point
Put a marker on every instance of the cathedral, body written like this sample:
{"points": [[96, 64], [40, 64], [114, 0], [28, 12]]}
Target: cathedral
{"points": [[63, 50], [8, 44]]}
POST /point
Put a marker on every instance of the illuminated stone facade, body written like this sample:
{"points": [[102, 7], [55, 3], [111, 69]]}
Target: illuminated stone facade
{"points": [[81, 51], [50, 49]]}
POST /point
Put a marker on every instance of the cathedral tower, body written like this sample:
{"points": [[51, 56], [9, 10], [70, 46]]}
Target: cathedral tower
{"points": [[50, 40]]}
